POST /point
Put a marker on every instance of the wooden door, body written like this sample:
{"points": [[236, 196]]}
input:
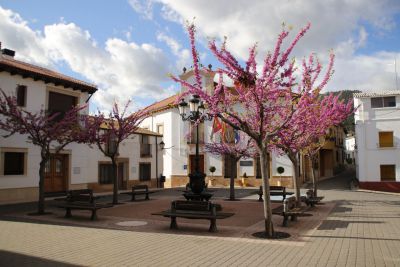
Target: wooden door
{"points": [[56, 174], [192, 159]]}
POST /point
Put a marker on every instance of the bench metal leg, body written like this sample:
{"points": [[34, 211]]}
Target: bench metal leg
{"points": [[94, 215], [293, 218], [133, 197], [147, 197], [68, 213], [173, 224], [285, 221], [260, 197], [213, 226]]}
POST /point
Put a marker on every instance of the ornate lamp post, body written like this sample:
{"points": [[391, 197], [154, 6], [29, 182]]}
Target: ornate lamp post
{"points": [[196, 114]]}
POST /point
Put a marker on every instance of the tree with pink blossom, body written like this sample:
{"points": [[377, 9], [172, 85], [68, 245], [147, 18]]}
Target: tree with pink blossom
{"points": [[262, 101], [330, 112], [108, 132], [313, 117], [50, 132], [240, 148]]}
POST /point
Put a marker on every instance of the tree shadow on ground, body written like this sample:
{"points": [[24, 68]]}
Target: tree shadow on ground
{"points": [[11, 259], [335, 224]]}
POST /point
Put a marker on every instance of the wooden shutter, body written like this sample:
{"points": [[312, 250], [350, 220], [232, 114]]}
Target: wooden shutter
{"points": [[385, 139], [388, 172]]}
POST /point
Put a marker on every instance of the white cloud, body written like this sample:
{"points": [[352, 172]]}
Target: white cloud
{"points": [[122, 70], [16, 34], [183, 55], [143, 7], [336, 24]]}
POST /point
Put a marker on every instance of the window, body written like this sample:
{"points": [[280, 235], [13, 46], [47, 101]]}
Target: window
{"points": [[388, 172], [14, 163], [21, 95], [105, 173], [160, 129], [145, 139], [230, 168], [144, 171], [385, 139], [145, 147], [383, 102], [60, 103]]}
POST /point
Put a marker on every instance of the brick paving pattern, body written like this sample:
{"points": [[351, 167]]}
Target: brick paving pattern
{"points": [[363, 229]]}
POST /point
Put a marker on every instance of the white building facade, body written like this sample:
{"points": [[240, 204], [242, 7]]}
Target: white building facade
{"points": [[77, 166], [377, 122], [179, 150]]}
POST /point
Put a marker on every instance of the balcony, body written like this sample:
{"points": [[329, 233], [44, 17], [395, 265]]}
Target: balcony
{"points": [[145, 150]]}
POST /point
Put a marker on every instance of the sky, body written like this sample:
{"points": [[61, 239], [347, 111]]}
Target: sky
{"points": [[128, 48]]}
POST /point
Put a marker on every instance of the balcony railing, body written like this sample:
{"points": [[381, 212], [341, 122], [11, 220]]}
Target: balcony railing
{"points": [[145, 150]]}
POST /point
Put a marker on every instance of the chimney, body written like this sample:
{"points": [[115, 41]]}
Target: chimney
{"points": [[7, 52]]}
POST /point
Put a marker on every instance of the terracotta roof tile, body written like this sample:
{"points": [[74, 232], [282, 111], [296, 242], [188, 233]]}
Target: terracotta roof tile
{"points": [[26, 70], [163, 104], [377, 93]]}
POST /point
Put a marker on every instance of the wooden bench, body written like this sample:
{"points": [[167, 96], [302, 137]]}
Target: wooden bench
{"points": [[289, 209], [140, 190], [274, 191], [82, 199], [194, 210], [310, 199]]}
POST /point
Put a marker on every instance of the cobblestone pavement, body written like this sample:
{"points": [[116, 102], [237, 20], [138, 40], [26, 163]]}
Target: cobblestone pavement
{"points": [[362, 230]]}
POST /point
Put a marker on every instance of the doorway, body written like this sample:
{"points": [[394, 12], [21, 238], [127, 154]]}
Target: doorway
{"points": [[55, 174]]}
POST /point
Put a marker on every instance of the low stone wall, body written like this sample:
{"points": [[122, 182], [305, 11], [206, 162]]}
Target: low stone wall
{"points": [[26, 194], [96, 187], [381, 186], [177, 181], [151, 184]]}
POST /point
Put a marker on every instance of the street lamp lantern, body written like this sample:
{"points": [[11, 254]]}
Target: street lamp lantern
{"points": [[182, 107], [162, 145], [194, 103], [201, 108]]}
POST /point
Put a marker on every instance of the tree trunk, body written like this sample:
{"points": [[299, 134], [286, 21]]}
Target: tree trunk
{"points": [[296, 174], [232, 185], [41, 203], [269, 227], [115, 188]]}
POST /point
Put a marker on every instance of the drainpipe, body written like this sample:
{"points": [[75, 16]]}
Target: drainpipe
{"points": [[156, 145]]}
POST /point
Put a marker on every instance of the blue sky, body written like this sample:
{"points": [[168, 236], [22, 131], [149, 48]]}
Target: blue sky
{"points": [[128, 48]]}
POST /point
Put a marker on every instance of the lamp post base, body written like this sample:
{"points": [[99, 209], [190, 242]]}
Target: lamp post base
{"points": [[197, 182]]}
